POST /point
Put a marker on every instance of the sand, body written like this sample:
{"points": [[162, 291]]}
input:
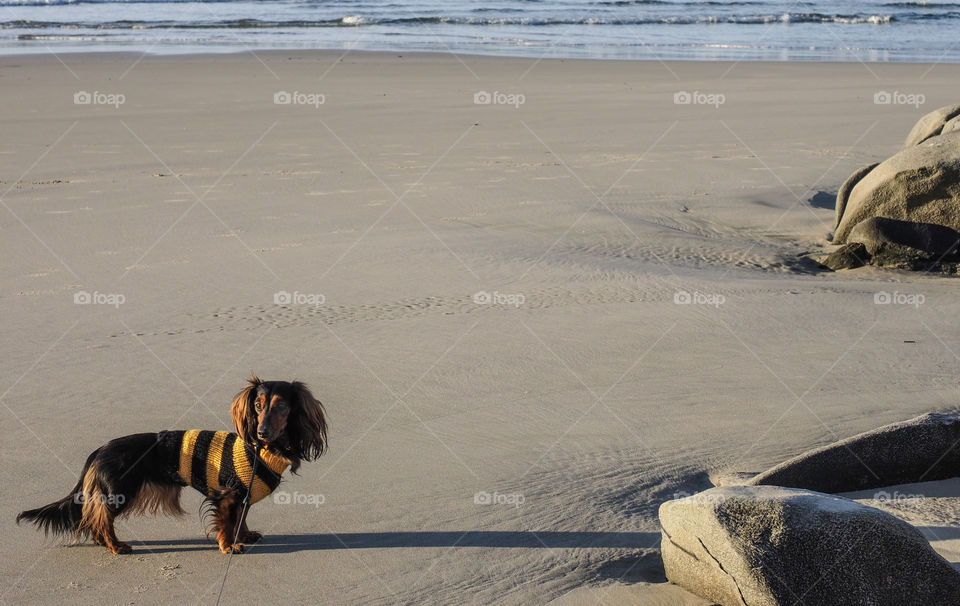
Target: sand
{"points": [[488, 298]]}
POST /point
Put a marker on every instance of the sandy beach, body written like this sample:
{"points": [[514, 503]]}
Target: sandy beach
{"points": [[537, 298]]}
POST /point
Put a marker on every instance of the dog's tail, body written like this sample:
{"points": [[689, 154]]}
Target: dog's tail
{"points": [[61, 517]]}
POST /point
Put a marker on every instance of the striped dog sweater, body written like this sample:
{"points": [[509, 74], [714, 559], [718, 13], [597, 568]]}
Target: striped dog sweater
{"points": [[213, 460]]}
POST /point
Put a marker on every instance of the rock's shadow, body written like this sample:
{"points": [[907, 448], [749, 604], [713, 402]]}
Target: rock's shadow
{"points": [[823, 199], [643, 568]]}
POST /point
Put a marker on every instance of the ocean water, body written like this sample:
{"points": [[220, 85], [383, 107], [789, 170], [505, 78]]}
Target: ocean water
{"points": [[612, 29]]}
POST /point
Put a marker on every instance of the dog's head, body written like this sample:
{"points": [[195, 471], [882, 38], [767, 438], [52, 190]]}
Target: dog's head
{"points": [[283, 415]]}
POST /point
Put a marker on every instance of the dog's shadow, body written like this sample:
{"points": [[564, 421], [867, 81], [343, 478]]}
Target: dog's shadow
{"points": [[292, 543]]}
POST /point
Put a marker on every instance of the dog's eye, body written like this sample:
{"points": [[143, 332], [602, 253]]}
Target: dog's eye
{"points": [[258, 406]]}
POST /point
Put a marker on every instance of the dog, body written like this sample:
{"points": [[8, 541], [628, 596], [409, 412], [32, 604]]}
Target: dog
{"points": [[278, 425]]}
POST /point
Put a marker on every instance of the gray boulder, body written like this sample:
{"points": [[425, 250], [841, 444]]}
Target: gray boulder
{"points": [[931, 125], [877, 232], [772, 546], [951, 125], [919, 184], [925, 448], [844, 194], [891, 242]]}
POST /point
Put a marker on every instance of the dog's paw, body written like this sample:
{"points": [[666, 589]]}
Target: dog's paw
{"points": [[120, 548], [251, 536], [235, 548]]}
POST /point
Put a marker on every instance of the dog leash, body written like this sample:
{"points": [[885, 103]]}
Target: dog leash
{"points": [[243, 516]]}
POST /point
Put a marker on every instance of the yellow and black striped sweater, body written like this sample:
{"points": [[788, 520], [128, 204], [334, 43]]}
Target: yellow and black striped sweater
{"points": [[213, 460]]}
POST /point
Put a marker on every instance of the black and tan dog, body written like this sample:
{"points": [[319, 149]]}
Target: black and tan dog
{"points": [[278, 423]]}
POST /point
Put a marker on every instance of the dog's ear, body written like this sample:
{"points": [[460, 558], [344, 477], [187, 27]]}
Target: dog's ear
{"points": [[242, 411], [307, 431]]}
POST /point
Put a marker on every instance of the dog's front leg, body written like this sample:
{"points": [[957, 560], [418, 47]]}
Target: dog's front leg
{"points": [[227, 519]]}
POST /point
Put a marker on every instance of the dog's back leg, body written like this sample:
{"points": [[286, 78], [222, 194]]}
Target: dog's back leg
{"points": [[100, 507]]}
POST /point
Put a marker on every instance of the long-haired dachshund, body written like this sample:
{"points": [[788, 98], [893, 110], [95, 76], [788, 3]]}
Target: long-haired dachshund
{"points": [[279, 424]]}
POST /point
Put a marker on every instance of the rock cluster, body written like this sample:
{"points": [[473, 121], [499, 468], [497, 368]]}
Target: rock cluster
{"points": [[909, 202]]}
